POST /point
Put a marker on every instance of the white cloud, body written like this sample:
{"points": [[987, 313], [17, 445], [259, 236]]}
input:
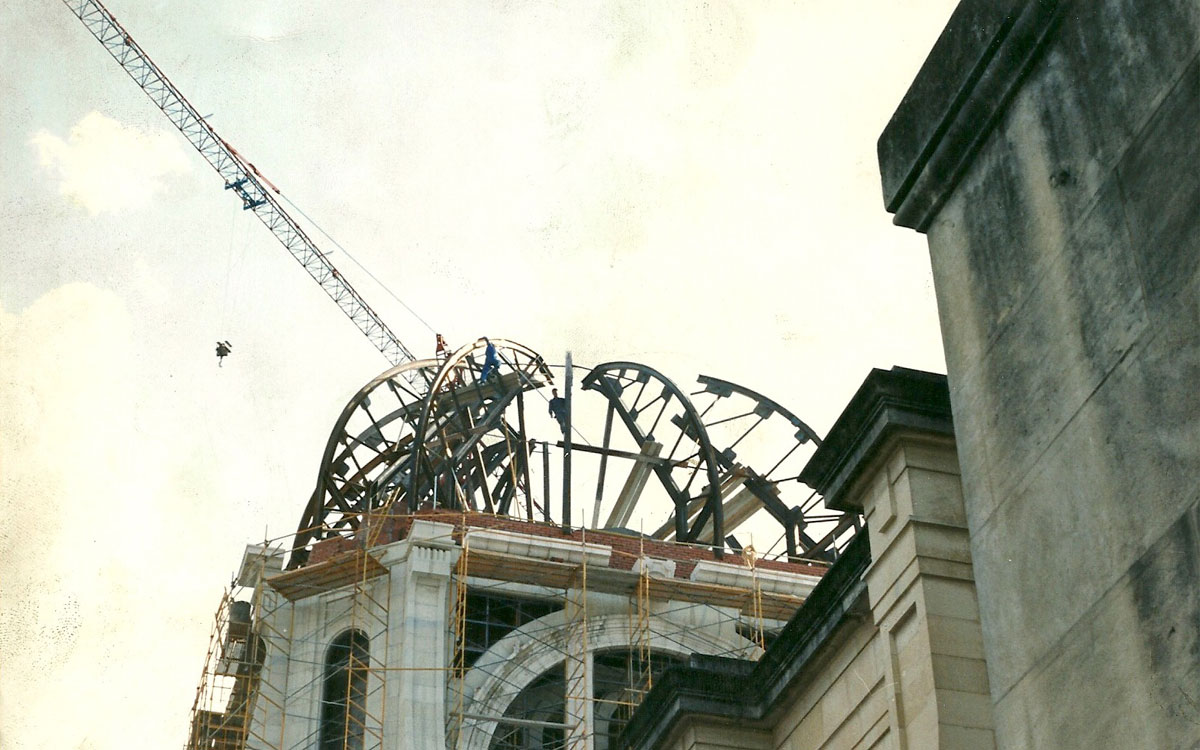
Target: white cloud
{"points": [[94, 527], [106, 166]]}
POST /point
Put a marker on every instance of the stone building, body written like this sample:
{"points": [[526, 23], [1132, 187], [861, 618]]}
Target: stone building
{"points": [[887, 652], [1050, 150], [434, 596], [477, 631]]}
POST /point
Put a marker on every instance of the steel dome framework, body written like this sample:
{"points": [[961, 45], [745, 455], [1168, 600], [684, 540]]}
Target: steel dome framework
{"points": [[695, 466]]}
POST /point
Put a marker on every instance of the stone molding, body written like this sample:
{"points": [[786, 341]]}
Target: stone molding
{"points": [[888, 402], [723, 574], [743, 691], [526, 653], [537, 547], [977, 64]]}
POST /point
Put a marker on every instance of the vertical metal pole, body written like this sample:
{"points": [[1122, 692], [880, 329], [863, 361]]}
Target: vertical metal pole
{"points": [[718, 524], [566, 498], [608, 422], [546, 480], [525, 451]]}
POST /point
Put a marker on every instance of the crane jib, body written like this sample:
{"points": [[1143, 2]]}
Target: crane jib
{"points": [[241, 177]]}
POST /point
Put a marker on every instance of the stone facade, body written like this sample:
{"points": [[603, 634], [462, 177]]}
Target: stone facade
{"points": [[888, 651], [412, 598], [1051, 152]]}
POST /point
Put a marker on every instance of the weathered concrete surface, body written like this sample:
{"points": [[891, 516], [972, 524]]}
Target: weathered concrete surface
{"points": [[1066, 256]]}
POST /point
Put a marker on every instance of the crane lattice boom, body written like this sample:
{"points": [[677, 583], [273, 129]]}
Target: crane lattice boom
{"points": [[239, 175]]}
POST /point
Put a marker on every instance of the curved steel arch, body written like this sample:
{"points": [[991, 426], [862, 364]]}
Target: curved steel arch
{"points": [[742, 412], [460, 412], [724, 387], [341, 496], [464, 444], [611, 380]]}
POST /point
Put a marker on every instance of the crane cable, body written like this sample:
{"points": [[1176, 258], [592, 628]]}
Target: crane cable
{"points": [[361, 267]]}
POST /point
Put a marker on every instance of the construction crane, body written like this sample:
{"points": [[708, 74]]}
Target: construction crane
{"points": [[255, 191]]}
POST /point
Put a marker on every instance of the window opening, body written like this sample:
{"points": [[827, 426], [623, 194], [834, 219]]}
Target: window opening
{"points": [[490, 617], [344, 692], [616, 692], [543, 700]]}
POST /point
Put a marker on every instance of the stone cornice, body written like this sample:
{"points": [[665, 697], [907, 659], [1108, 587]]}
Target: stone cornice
{"points": [[736, 689], [977, 64], [888, 402]]}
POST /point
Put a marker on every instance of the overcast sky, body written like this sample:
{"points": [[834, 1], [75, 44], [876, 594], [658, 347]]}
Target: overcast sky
{"points": [[689, 185]]}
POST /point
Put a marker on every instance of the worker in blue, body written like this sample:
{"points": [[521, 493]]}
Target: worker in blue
{"points": [[490, 362], [223, 349], [558, 410]]}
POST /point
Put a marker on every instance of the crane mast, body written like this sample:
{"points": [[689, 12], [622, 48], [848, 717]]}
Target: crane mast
{"points": [[242, 178]]}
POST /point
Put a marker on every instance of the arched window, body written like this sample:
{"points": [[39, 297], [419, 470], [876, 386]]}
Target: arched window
{"points": [[344, 692], [541, 702], [619, 678]]}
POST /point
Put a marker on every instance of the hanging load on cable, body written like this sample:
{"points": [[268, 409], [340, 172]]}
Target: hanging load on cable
{"points": [[257, 194]]}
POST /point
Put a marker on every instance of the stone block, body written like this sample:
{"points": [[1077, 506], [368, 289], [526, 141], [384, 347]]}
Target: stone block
{"points": [[960, 674], [879, 507], [1116, 476], [987, 261], [431, 533], [774, 581], [921, 729], [1090, 94], [537, 547], [948, 70], [721, 736], [950, 636], [951, 737], [965, 332], [1119, 58], [936, 496], [892, 568], [808, 732], [970, 426], [919, 454], [964, 709], [951, 598], [942, 549], [1075, 328]]}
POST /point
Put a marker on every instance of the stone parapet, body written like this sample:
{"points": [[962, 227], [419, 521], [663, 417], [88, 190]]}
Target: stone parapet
{"points": [[976, 65]]}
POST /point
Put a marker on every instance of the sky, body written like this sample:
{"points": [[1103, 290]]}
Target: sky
{"points": [[690, 185]]}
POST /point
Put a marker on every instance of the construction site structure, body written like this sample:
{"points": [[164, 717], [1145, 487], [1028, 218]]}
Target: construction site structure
{"points": [[443, 590], [471, 630]]}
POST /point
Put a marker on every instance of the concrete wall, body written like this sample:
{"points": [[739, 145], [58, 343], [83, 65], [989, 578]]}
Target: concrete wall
{"points": [[1057, 175]]}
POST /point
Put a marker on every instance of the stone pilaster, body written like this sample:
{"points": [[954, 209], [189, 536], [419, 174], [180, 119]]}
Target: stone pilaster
{"points": [[420, 638], [892, 457]]}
